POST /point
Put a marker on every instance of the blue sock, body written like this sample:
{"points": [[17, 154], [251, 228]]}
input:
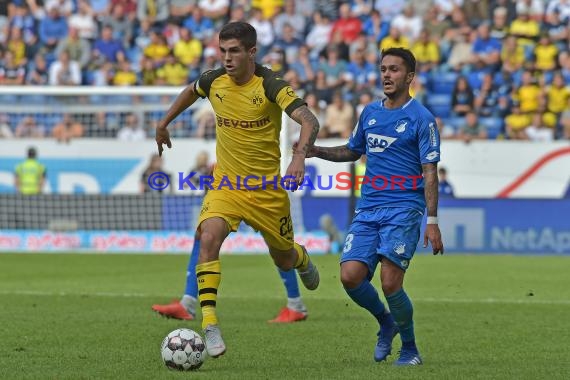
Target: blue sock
{"points": [[403, 312], [191, 282], [290, 280], [366, 296]]}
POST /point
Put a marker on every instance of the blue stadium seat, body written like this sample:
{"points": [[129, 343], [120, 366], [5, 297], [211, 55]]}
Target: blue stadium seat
{"points": [[494, 126], [443, 83], [439, 104]]}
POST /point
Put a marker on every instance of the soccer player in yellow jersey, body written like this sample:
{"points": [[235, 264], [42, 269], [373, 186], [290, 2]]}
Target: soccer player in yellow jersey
{"points": [[248, 100]]}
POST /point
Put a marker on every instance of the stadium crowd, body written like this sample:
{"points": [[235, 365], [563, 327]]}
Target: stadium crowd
{"points": [[488, 69]]}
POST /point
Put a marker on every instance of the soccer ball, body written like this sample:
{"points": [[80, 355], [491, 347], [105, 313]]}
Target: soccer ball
{"points": [[183, 350]]}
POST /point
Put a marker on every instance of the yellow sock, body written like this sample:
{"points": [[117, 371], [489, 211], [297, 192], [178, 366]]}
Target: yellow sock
{"points": [[208, 276], [302, 262]]}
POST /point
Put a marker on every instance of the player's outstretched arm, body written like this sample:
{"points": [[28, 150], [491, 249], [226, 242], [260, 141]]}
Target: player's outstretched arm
{"points": [[183, 101], [334, 153], [432, 234]]}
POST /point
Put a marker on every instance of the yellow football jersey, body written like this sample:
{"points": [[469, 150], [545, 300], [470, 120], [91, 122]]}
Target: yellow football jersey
{"points": [[248, 124]]}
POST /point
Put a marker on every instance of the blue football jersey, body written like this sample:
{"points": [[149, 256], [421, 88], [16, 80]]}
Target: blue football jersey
{"points": [[396, 143]]}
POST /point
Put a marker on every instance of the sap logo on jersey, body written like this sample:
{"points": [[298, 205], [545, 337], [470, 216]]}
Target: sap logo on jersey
{"points": [[379, 143]]}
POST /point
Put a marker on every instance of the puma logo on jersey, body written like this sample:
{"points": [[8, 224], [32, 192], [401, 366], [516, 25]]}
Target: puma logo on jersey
{"points": [[220, 97]]}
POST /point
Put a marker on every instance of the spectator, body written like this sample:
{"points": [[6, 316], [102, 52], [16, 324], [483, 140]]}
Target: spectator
{"points": [[202, 168], [565, 122], [333, 68], [545, 54], [65, 7], [10, 73], [132, 129], [28, 128], [486, 49], [289, 44], [68, 129], [38, 75], [64, 72], [24, 21], [339, 118], [462, 98], [445, 188], [512, 55], [303, 66], [499, 26], [158, 49], [5, 130], [173, 72], [426, 52], [375, 28], [538, 130], [211, 60], [321, 88], [528, 94], [106, 48], [265, 33], [188, 50], [319, 34], [17, 46], [125, 75], [525, 29], [488, 100], [394, 39], [408, 23], [121, 24], [472, 129], [201, 27], [30, 175], [390, 8], [557, 30], [216, 10], [52, 28], [516, 123], [77, 48], [154, 183], [84, 21], [348, 25], [292, 18], [556, 95], [154, 12], [359, 73], [180, 9]]}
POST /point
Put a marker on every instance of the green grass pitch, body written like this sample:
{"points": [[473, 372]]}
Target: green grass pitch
{"points": [[73, 316]]}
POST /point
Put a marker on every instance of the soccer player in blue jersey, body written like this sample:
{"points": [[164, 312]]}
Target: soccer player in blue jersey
{"points": [[185, 308], [401, 142]]}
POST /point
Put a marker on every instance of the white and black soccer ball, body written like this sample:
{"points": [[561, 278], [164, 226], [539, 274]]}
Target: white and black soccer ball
{"points": [[183, 350]]}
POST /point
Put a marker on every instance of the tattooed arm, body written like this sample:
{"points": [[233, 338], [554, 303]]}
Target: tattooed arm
{"points": [[432, 232], [309, 130], [335, 153]]}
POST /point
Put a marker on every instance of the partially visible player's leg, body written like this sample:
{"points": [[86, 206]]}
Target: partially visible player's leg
{"points": [[358, 263], [402, 310], [295, 309], [185, 308], [212, 232], [400, 236]]}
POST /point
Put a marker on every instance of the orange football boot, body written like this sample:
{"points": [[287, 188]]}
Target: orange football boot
{"points": [[287, 315], [173, 310]]}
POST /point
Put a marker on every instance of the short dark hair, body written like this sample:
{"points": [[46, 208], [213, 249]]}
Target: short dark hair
{"points": [[32, 152], [403, 53], [241, 31]]}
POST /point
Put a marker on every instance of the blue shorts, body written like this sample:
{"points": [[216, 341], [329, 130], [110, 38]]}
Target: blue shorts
{"points": [[390, 232]]}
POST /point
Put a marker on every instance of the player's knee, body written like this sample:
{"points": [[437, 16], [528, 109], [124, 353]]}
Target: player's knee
{"points": [[284, 260], [390, 286], [351, 276]]}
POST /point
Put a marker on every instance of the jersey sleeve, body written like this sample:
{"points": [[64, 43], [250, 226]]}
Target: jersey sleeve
{"points": [[428, 140], [204, 82], [279, 91], [357, 141]]}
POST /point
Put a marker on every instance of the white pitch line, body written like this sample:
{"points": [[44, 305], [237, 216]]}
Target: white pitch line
{"points": [[526, 301]]}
